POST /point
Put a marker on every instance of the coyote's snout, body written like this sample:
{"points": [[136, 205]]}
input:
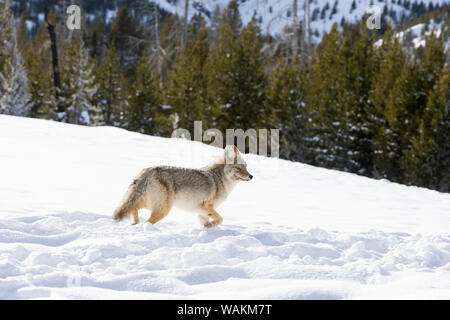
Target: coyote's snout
{"points": [[199, 190]]}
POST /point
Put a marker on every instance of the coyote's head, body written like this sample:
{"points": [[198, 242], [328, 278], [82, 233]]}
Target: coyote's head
{"points": [[235, 165]]}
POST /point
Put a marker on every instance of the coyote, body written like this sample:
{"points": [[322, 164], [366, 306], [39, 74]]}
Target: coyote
{"points": [[198, 190]]}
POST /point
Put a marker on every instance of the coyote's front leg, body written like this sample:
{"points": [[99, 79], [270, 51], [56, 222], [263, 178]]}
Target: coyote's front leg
{"points": [[135, 216], [216, 218]]}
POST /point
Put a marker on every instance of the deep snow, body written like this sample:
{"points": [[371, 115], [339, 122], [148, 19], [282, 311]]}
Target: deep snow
{"points": [[293, 232]]}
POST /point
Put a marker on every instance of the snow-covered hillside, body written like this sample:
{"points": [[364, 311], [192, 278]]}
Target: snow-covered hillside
{"points": [[275, 15], [415, 36], [293, 232], [272, 15]]}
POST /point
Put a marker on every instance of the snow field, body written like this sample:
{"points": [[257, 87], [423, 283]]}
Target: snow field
{"points": [[293, 232], [60, 254]]}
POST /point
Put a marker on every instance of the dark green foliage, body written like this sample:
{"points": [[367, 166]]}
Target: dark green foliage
{"points": [[237, 83], [144, 100], [125, 36], [287, 99], [111, 93], [187, 90]]}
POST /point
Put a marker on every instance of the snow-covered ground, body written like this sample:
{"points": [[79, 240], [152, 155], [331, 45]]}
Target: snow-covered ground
{"points": [[293, 232], [417, 34], [275, 15]]}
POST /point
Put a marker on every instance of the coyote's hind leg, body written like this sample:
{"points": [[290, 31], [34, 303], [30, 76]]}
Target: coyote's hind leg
{"points": [[157, 215], [159, 212], [161, 201]]}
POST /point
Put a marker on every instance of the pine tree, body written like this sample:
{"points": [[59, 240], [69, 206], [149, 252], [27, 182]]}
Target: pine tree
{"points": [[124, 32], [215, 22], [187, 86], [428, 68], [23, 39], [97, 40], [358, 67], [111, 93], [14, 96], [237, 81], [221, 77], [287, 98], [37, 59], [6, 32], [353, 6], [386, 103], [396, 135], [251, 80], [438, 105], [341, 77], [78, 86], [427, 162], [232, 17], [327, 118], [144, 100], [122, 27]]}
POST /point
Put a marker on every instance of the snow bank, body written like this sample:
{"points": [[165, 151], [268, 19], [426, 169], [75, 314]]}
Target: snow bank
{"points": [[293, 232]]}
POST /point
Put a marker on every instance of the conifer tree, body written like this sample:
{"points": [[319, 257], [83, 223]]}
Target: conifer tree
{"points": [[187, 86], [232, 17], [328, 119], [111, 93], [427, 162], [438, 105], [97, 40], [23, 39], [144, 100], [6, 31], [37, 59], [358, 67], [426, 72], [385, 107], [237, 81], [215, 22], [395, 136], [287, 98], [14, 96], [221, 77], [170, 39], [123, 35], [122, 27], [252, 111], [78, 86]]}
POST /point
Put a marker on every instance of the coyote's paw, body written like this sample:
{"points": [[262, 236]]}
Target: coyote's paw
{"points": [[209, 225]]}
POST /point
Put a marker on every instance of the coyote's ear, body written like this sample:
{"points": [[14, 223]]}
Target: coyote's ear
{"points": [[230, 154], [238, 158]]}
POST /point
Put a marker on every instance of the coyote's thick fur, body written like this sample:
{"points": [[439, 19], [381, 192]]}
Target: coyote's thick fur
{"points": [[200, 190]]}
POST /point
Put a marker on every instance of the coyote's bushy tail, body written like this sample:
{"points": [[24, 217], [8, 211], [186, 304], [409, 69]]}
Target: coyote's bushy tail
{"points": [[129, 203]]}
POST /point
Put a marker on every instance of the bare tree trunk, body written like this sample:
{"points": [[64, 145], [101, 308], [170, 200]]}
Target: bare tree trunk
{"points": [[306, 32], [158, 45], [185, 23], [294, 30], [55, 63]]}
